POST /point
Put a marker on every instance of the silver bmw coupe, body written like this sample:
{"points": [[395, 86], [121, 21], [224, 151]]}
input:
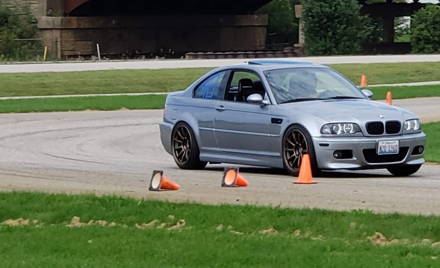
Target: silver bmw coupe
{"points": [[269, 113]]}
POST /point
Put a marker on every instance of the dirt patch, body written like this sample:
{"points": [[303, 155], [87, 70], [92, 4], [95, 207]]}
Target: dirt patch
{"points": [[179, 225], [75, 222], [19, 222], [269, 231], [148, 225], [378, 239]]}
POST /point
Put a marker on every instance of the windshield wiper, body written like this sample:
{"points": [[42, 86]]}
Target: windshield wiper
{"points": [[342, 97], [301, 99]]}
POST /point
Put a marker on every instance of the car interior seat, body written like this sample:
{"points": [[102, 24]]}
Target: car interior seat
{"points": [[246, 88]]}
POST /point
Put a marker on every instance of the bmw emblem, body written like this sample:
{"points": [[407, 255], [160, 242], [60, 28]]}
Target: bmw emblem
{"points": [[381, 116]]}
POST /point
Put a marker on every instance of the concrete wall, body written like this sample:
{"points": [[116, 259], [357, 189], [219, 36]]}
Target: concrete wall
{"points": [[36, 7], [74, 36]]}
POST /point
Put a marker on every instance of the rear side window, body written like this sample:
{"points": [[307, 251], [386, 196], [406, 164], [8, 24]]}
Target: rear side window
{"points": [[211, 88]]}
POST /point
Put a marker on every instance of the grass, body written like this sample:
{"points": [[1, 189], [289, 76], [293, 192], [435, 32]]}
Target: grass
{"points": [[389, 73], [165, 80], [97, 82], [103, 103], [432, 131], [294, 237], [406, 92], [157, 101]]}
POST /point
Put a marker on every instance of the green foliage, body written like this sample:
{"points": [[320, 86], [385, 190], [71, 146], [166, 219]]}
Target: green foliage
{"points": [[335, 27], [283, 26], [425, 30], [17, 24], [402, 29], [213, 236]]}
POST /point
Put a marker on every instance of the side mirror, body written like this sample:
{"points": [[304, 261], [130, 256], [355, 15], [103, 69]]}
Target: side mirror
{"points": [[257, 99], [367, 93]]}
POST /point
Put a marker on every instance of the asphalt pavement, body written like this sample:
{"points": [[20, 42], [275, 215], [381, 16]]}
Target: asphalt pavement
{"points": [[116, 152]]}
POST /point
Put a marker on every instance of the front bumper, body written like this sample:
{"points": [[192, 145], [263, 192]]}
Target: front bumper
{"points": [[363, 154]]}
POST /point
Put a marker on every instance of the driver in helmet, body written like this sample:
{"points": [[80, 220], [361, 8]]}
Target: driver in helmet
{"points": [[303, 85]]}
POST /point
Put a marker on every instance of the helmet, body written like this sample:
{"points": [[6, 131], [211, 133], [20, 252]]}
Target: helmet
{"points": [[303, 84]]}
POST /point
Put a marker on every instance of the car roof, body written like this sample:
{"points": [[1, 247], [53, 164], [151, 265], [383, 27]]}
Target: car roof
{"points": [[271, 64]]}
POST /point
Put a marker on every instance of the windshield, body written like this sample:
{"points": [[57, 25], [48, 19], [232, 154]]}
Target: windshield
{"points": [[304, 84]]}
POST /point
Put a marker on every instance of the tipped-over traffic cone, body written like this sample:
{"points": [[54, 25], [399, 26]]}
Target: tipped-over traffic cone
{"points": [[232, 178], [161, 182], [305, 171], [364, 80], [389, 98]]}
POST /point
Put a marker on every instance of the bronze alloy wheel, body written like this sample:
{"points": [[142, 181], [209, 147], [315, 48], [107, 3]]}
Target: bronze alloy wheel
{"points": [[181, 145], [295, 145], [185, 149]]}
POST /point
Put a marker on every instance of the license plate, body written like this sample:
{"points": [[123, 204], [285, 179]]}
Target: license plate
{"points": [[387, 147]]}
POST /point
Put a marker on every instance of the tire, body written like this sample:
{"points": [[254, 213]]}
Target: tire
{"points": [[404, 170], [296, 142], [185, 149]]}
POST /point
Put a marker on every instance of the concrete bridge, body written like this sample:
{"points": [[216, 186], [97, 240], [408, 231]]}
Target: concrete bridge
{"points": [[72, 28]]}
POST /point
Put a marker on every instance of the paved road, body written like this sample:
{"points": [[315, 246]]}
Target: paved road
{"points": [[115, 152], [166, 64]]}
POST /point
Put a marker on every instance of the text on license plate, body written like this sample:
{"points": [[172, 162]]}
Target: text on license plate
{"points": [[387, 147]]}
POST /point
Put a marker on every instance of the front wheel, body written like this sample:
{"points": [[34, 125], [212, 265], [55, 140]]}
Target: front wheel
{"points": [[404, 170], [185, 149], [296, 142]]}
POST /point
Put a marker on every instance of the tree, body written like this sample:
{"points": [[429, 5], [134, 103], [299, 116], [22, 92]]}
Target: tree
{"points": [[17, 24], [425, 30], [283, 26], [334, 27]]}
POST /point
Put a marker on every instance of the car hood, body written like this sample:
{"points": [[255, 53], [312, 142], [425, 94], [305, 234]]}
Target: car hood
{"points": [[350, 110]]}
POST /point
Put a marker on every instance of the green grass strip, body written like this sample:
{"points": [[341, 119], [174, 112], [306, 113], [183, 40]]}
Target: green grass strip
{"points": [[158, 101], [391, 73], [97, 82], [432, 131], [103, 103], [406, 92], [220, 236], [165, 80]]}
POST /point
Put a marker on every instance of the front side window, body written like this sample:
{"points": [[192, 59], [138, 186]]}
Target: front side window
{"points": [[298, 84], [242, 85], [211, 88]]}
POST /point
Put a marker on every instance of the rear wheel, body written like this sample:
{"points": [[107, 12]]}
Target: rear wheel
{"points": [[296, 143], [404, 170], [185, 149]]}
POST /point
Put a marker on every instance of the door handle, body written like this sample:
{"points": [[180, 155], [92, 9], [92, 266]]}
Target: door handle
{"points": [[220, 108]]}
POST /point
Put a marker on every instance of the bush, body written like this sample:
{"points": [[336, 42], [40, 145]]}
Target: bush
{"points": [[16, 24], [334, 27], [283, 26], [425, 30]]}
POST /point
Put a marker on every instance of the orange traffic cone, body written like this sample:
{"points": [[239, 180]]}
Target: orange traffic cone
{"points": [[364, 80], [305, 171], [389, 98], [161, 182], [232, 178]]}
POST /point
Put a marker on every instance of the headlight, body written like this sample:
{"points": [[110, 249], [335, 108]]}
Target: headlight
{"points": [[340, 129], [411, 126]]}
